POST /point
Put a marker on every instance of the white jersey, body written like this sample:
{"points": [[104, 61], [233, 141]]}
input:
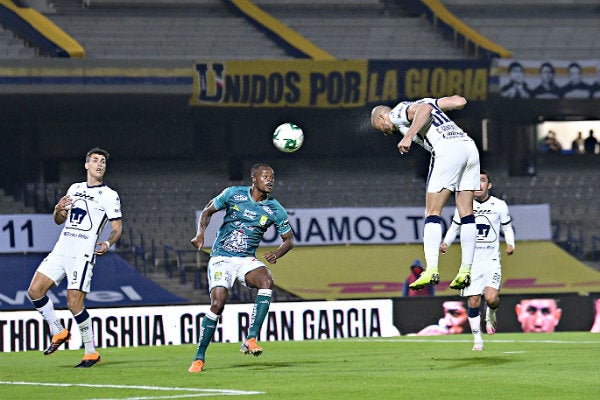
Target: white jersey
{"points": [[440, 128], [92, 207], [490, 216]]}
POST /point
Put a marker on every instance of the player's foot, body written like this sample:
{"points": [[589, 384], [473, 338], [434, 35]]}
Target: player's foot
{"points": [[88, 360], [490, 322], [462, 279], [57, 340], [428, 277], [477, 346], [251, 347], [197, 366]]}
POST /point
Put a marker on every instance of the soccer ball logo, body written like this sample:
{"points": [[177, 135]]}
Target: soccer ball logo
{"points": [[288, 137]]}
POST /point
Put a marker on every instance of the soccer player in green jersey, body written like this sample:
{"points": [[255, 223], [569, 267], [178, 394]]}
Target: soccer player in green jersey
{"points": [[249, 212]]}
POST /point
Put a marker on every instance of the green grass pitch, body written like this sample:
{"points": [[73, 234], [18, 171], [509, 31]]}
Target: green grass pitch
{"points": [[512, 366]]}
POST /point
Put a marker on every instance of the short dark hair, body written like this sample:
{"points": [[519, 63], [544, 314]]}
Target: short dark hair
{"points": [[484, 172], [96, 150], [256, 166]]}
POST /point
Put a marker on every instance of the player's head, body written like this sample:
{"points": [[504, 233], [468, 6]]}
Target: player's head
{"points": [[538, 315], [380, 120], [455, 315], [95, 162], [98, 151], [485, 184], [263, 177]]}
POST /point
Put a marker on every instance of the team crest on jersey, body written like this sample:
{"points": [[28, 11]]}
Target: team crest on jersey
{"points": [[79, 216], [263, 220]]}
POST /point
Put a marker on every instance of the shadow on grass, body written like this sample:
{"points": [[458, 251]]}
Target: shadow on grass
{"points": [[480, 361]]}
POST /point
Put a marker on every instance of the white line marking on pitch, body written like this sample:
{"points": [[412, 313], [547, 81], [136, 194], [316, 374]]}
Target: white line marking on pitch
{"points": [[196, 392]]}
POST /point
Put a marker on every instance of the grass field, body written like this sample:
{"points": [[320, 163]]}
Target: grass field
{"points": [[512, 366]]}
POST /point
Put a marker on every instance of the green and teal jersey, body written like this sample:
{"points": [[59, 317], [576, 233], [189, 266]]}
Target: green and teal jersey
{"points": [[246, 221]]}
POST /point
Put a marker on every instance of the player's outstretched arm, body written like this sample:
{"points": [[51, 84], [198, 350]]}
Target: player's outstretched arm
{"points": [[203, 221], [454, 102]]}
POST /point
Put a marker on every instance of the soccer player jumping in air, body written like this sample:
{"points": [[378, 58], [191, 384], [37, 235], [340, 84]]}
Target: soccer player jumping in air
{"points": [[454, 168], [249, 212]]}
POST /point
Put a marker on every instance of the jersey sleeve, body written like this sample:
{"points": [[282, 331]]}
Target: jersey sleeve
{"points": [[220, 201], [113, 206], [504, 214], [399, 115], [282, 223], [505, 221]]}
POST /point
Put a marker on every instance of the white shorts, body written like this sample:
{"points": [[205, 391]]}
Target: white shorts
{"points": [[483, 274], [454, 166], [78, 271], [223, 271]]}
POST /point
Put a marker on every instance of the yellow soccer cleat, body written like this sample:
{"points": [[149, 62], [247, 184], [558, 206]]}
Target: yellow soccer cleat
{"points": [[428, 277]]}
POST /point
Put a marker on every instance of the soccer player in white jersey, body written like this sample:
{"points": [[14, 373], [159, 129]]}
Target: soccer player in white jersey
{"points": [[85, 210], [249, 212], [454, 168], [491, 215]]}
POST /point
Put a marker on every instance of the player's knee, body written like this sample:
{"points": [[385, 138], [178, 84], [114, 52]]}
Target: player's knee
{"points": [[265, 282], [260, 278], [492, 301], [217, 306], [34, 292]]}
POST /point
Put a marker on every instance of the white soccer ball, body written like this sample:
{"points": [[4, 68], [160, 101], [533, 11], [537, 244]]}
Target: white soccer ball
{"points": [[288, 137]]}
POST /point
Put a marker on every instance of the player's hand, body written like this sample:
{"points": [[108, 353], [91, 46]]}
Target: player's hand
{"points": [[509, 250], [198, 241], [64, 204], [404, 145], [271, 257], [101, 248], [443, 248]]}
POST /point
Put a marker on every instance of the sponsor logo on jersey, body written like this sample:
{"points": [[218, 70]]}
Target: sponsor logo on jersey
{"points": [[249, 214], [268, 210], [240, 197], [84, 195]]}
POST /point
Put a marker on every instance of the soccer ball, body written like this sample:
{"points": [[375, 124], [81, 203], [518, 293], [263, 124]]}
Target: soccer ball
{"points": [[288, 137]]}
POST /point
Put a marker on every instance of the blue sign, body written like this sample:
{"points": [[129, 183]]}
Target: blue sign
{"points": [[115, 283]]}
